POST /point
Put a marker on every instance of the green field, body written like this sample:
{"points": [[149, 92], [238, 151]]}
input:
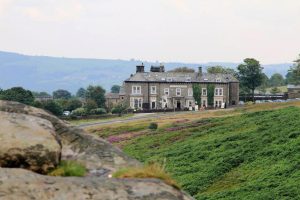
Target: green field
{"points": [[252, 156]]}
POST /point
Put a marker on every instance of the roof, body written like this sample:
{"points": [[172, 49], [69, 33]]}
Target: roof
{"points": [[180, 77], [112, 95]]}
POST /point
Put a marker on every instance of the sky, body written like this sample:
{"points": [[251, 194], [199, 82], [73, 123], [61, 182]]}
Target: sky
{"points": [[154, 30]]}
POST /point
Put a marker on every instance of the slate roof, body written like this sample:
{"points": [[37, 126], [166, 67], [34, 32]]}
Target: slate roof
{"points": [[112, 95], [180, 77]]}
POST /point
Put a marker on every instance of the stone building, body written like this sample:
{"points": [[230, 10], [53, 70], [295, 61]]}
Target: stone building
{"points": [[293, 91], [158, 89]]}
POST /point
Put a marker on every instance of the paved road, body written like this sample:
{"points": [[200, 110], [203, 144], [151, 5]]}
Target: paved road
{"points": [[135, 117]]}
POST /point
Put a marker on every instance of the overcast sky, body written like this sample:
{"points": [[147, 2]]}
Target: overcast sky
{"points": [[163, 30]]}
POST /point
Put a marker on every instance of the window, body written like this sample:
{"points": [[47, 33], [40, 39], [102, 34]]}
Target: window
{"points": [[219, 92], [204, 103], [166, 91], [178, 91], [169, 79], [204, 92], [188, 79], [153, 89], [218, 80], [136, 103], [190, 92], [136, 90]]}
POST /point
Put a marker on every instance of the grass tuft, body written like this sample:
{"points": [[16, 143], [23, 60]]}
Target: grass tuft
{"points": [[152, 170], [69, 168]]}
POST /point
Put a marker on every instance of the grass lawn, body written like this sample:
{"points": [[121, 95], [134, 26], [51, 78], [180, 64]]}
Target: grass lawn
{"points": [[246, 153], [85, 121]]}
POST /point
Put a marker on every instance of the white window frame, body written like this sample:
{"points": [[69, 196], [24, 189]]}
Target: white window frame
{"points": [[219, 92], [153, 91], [167, 90], [178, 92], [139, 102], [204, 89], [136, 89], [190, 92]]}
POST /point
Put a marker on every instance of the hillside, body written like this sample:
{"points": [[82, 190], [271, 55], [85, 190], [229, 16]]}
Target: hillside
{"points": [[42, 73], [252, 153]]}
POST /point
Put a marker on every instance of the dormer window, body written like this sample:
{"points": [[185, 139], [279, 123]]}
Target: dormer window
{"points": [[169, 79], [218, 80], [188, 79], [205, 79]]}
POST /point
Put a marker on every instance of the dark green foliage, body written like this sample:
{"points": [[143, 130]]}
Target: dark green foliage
{"points": [[250, 74], [61, 94], [98, 111], [72, 104], [17, 94], [81, 93], [294, 72], [197, 93], [275, 90], [115, 89], [250, 156], [153, 126], [90, 105], [53, 107], [96, 93], [79, 112], [210, 94], [119, 109], [277, 80]]}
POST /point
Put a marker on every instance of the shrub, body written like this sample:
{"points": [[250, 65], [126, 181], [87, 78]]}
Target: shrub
{"points": [[69, 168], [79, 112], [98, 111], [153, 126], [53, 107], [152, 170]]}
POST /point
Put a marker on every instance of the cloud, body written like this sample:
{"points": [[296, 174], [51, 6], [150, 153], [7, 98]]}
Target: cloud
{"points": [[55, 12], [5, 5]]}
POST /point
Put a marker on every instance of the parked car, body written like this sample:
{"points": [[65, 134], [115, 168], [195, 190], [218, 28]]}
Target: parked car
{"points": [[66, 113]]}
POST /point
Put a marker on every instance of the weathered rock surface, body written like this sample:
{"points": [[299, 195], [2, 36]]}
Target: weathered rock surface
{"points": [[98, 155], [21, 184], [28, 142], [24, 126]]}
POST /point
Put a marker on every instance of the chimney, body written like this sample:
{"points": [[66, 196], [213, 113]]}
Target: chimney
{"points": [[200, 71], [140, 68], [161, 68]]}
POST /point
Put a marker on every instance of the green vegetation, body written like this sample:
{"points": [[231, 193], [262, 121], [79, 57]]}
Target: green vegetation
{"points": [[69, 168], [210, 94], [197, 92], [153, 126], [152, 170], [17, 94], [249, 156]]}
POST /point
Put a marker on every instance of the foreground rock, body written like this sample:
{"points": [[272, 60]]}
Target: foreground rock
{"points": [[21, 184], [99, 156], [28, 142], [34, 139]]}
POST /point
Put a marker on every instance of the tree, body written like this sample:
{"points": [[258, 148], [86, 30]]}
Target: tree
{"points": [[90, 105], [120, 108], [182, 70], [96, 93], [295, 72], [61, 94], [197, 93], [277, 80], [115, 89], [53, 107], [18, 94], [250, 74], [73, 104], [81, 93], [265, 83], [221, 70]]}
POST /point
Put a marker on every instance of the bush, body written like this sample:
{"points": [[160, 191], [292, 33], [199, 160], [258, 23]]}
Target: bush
{"points": [[79, 112], [153, 126], [69, 168], [98, 111], [90, 105], [153, 170], [53, 107]]}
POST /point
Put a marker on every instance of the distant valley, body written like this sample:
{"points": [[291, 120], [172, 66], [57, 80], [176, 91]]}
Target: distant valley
{"points": [[43, 73]]}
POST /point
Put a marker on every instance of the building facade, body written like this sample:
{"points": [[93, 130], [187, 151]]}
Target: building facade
{"points": [[293, 91], [158, 89]]}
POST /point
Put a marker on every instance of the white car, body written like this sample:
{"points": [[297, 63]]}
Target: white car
{"points": [[66, 113]]}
